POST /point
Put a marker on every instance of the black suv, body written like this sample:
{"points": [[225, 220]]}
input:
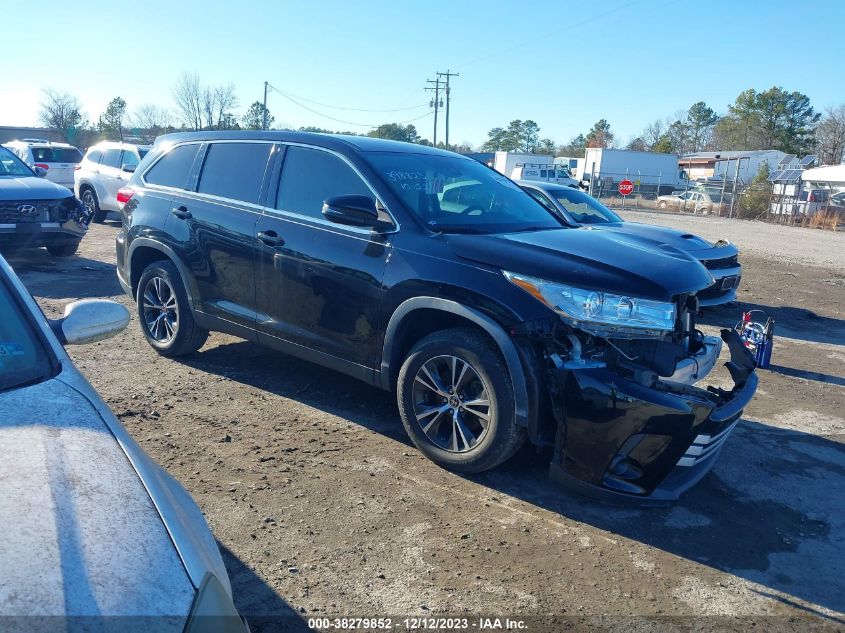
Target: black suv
{"points": [[36, 212], [427, 273]]}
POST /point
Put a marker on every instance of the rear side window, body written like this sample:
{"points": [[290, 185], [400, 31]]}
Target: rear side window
{"points": [[310, 176], [94, 155], [235, 170], [56, 154], [172, 169], [111, 158], [129, 158]]}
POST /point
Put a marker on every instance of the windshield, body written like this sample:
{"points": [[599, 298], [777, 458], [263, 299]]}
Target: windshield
{"points": [[583, 208], [56, 154], [459, 195], [23, 358], [11, 165]]}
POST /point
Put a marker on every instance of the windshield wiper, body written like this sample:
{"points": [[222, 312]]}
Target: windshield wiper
{"points": [[525, 229]]}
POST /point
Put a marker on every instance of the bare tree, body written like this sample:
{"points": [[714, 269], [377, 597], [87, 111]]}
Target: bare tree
{"points": [[652, 134], [225, 101], [189, 97], [149, 116], [151, 120], [62, 112], [830, 136]]}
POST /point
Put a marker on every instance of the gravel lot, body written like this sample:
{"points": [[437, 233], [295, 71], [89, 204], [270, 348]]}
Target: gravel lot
{"points": [[322, 508]]}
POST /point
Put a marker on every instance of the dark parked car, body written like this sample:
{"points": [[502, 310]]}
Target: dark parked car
{"points": [[97, 537], [577, 208], [427, 273], [36, 212]]}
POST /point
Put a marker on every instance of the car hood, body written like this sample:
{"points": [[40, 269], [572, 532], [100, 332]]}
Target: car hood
{"points": [[31, 188], [698, 246], [81, 534], [602, 260]]}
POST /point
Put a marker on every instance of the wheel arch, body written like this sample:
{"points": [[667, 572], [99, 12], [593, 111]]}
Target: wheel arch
{"points": [[454, 313], [143, 251]]}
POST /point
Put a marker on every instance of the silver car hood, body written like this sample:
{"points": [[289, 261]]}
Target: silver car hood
{"points": [[81, 535]]}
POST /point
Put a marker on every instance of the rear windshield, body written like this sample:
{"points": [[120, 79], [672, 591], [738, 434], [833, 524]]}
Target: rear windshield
{"points": [[23, 357], [11, 165], [56, 154]]}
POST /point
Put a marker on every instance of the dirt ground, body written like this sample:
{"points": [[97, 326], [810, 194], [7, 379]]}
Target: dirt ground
{"points": [[323, 508]]}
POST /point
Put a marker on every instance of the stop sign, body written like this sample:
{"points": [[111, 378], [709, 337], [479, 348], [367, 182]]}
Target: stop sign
{"points": [[626, 187]]}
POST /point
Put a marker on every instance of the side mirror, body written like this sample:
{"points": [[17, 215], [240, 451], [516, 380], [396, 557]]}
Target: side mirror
{"points": [[90, 320], [40, 172], [128, 168], [353, 210]]}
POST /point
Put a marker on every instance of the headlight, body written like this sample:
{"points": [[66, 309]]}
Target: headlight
{"points": [[600, 313]]}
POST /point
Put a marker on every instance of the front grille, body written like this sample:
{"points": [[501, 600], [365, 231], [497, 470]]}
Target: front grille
{"points": [[704, 446], [725, 262], [723, 285], [25, 211]]}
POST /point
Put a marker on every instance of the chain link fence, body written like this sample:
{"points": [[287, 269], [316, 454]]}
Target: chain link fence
{"points": [[765, 201]]}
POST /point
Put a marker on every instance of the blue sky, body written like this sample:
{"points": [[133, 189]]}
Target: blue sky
{"points": [[562, 64]]}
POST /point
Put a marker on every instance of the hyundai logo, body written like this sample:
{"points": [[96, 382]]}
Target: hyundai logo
{"points": [[27, 209]]}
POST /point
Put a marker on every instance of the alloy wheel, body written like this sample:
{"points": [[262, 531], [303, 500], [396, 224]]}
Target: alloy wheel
{"points": [[451, 403], [88, 201], [161, 312]]}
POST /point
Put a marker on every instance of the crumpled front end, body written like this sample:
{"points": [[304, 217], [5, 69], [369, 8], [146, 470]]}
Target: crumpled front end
{"points": [[630, 423], [33, 223]]}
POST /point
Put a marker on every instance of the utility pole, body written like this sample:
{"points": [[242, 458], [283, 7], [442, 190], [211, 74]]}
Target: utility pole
{"points": [[447, 74], [437, 103], [264, 114]]}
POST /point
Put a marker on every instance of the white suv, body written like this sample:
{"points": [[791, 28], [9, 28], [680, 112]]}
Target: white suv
{"points": [[106, 167], [58, 160]]}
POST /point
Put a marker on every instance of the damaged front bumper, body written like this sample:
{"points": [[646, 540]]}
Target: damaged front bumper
{"points": [[624, 440]]}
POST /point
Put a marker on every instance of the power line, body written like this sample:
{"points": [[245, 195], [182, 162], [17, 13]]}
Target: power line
{"points": [[327, 116], [351, 109], [569, 27]]}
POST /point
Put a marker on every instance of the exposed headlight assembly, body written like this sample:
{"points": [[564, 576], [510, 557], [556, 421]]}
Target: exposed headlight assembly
{"points": [[600, 313]]}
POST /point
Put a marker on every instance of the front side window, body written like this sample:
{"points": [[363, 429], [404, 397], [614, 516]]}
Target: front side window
{"points": [[311, 176], [486, 202], [24, 358], [235, 170], [172, 169], [11, 165], [583, 208], [111, 158]]}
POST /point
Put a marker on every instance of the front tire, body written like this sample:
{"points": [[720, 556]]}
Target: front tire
{"points": [[662, 204], [89, 199], [456, 401], [165, 313], [63, 250]]}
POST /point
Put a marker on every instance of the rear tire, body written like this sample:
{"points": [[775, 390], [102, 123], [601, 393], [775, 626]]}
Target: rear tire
{"points": [[164, 311], [89, 199], [63, 250], [662, 204], [471, 428]]}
